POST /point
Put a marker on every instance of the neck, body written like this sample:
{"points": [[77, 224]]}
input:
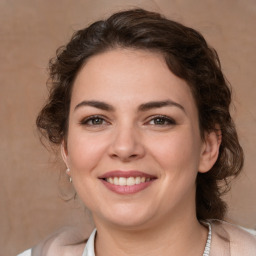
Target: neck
{"points": [[175, 236]]}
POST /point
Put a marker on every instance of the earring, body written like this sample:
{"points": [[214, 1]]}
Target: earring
{"points": [[67, 172]]}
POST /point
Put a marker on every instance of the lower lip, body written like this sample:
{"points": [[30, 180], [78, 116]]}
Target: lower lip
{"points": [[126, 190]]}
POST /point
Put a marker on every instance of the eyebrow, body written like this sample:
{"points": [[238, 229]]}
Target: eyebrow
{"points": [[143, 107], [95, 104], [159, 104]]}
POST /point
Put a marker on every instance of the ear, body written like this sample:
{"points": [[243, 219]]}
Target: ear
{"points": [[64, 153], [210, 150]]}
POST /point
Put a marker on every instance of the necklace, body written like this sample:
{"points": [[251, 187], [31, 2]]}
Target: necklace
{"points": [[208, 242]]}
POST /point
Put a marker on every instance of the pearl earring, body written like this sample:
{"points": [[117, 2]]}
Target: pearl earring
{"points": [[68, 173]]}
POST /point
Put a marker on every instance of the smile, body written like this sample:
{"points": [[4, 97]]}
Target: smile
{"points": [[126, 182], [122, 181]]}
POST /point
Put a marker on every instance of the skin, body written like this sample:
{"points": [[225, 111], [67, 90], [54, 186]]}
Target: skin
{"points": [[161, 219]]}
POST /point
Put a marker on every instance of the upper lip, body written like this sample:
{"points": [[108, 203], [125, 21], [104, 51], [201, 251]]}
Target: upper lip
{"points": [[126, 174]]}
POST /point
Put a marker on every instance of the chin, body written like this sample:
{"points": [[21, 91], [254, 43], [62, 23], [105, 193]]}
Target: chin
{"points": [[128, 217], [130, 223]]}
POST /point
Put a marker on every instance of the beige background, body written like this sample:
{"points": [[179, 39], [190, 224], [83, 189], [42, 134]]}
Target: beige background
{"points": [[30, 32]]}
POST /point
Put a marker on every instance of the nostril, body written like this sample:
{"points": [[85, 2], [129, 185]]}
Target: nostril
{"points": [[124, 156]]}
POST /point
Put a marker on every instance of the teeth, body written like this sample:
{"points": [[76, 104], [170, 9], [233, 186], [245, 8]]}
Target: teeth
{"points": [[121, 181], [116, 181], [137, 180], [130, 181]]}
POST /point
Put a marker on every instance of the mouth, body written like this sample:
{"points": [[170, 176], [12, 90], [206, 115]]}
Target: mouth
{"points": [[127, 182], [131, 181]]}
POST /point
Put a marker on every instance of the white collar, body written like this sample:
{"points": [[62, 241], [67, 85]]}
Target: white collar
{"points": [[89, 248]]}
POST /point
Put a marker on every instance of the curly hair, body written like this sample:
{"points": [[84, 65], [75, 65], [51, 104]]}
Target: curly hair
{"points": [[187, 55]]}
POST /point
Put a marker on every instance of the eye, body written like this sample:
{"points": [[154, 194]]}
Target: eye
{"points": [[94, 121], [161, 120]]}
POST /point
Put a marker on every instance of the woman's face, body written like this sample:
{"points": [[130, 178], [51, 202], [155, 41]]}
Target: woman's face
{"points": [[133, 146]]}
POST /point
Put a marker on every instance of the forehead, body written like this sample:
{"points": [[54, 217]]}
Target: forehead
{"points": [[127, 73]]}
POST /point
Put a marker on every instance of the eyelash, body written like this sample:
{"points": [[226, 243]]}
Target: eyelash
{"points": [[167, 120], [91, 119]]}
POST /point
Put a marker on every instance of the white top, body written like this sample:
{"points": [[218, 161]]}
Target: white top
{"points": [[224, 239], [89, 248], [26, 253]]}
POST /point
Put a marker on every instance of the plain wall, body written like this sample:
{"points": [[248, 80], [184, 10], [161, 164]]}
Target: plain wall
{"points": [[30, 32]]}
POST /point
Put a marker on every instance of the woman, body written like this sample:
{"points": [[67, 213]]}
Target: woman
{"points": [[140, 109]]}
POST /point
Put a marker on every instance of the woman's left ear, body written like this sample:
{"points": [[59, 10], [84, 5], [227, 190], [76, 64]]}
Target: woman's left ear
{"points": [[210, 150], [64, 153]]}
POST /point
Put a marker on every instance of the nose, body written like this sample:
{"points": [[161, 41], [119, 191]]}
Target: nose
{"points": [[127, 144]]}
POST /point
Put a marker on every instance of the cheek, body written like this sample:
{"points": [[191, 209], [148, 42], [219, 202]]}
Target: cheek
{"points": [[178, 152], [84, 152]]}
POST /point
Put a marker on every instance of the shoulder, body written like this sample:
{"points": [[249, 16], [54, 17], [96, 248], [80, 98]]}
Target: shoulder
{"points": [[236, 239], [65, 241]]}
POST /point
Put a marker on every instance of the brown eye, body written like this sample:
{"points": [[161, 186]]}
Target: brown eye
{"points": [[94, 121], [162, 121]]}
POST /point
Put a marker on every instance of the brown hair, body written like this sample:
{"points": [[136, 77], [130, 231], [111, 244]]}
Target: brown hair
{"points": [[187, 55]]}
